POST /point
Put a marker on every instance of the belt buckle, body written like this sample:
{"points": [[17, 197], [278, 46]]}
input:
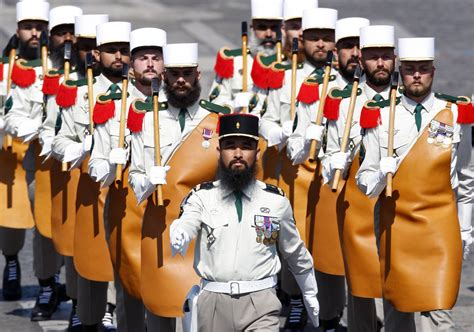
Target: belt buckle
{"points": [[234, 288]]}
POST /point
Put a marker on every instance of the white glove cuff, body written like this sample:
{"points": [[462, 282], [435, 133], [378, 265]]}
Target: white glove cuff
{"points": [[275, 136]]}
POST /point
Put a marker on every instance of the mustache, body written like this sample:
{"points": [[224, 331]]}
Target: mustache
{"points": [[268, 40], [235, 161]]}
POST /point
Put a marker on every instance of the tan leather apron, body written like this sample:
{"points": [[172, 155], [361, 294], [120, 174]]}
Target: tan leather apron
{"points": [[355, 214], [42, 211], [166, 280], [91, 253], [268, 164], [125, 227], [63, 215], [15, 208], [420, 242]]}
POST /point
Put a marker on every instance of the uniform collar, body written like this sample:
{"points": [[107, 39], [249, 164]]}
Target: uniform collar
{"points": [[410, 104], [370, 93], [308, 68], [192, 110], [104, 81], [341, 81], [248, 192]]}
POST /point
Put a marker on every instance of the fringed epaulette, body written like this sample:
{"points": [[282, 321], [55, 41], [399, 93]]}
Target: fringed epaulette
{"points": [[274, 189], [136, 113], [23, 75], [370, 114], [51, 83], [104, 108], [214, 108], [276, 74], [67, 92], [261, 70], [333, 101], [465, 107], [224, 66], [309, 90]]}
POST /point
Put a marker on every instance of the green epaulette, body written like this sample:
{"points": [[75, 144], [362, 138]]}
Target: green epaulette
{"points": [[450, 98], [274, 189], [204, 186], [111, 96], [268, 60], [288, 66], [343, 93], [61, 72], [148, 107], [382, 103], [320, 79], [214, 108], [4, 60], [234, 53], [79, 83], [32, 63]]}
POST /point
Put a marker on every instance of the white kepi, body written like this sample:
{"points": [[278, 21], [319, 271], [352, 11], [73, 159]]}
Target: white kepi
{"points": [[416, 49], [147, 37], [267, 9], [319, 18], [113, 32], [180, 55], [377, 36], [294, 8], [63, 15], [32, 10], [85, 25], [350, 27]]}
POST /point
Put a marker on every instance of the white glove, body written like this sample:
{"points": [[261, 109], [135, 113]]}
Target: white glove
{"points": [[73, 152], [307, 284], [314, 132], [158, 174], [275, 136], [465, 220], [28, 129], [87, 144], [388, 165], [118, 156], [179, 240], [47, 144], [242, 99], [467, 240], [340, 160], [287, 128], [2, 123]]}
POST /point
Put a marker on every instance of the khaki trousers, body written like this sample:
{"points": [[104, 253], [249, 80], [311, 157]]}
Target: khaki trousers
{"points": [[257, 311], [331, 295]]}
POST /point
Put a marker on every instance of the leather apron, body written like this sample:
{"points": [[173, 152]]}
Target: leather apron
{"points": [[42, 206], [166, 280], [420, 241]]}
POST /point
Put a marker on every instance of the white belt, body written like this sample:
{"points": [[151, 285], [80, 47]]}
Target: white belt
{"points": [[239, 287]]}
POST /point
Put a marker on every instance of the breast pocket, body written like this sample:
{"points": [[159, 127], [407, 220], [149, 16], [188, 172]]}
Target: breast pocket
{"points": [[214, 225]]}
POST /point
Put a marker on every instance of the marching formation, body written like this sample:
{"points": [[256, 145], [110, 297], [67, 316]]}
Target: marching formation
{"points": [[316, 172]]}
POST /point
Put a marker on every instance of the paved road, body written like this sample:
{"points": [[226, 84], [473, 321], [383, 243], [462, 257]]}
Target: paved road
{"points": [[216, 23]]}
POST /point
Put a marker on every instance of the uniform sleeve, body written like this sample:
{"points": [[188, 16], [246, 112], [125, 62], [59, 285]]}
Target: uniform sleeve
{"points": [[191, 218], [297, 146], [138, 180], [290, 245], [271, 118], [100, 169], [225, 95], [367, 177], [465, 167], [48, 127], [67, 133], [19, 112]]}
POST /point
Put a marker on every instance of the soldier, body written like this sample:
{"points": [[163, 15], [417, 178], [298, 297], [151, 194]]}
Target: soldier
{"points": [[237, 238], [429, 163], [266, 20], [23, 121], [32, 20]]}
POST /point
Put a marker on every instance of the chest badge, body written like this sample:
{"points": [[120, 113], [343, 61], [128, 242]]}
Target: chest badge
{"points": [[267, 229], [264, 210], [440, 134], [206, 135]]}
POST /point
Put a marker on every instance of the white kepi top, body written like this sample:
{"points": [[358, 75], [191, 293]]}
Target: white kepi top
{"points": [[147, 37], [32, 10], [350, 27], [319, 18], [85, 25], [180, 55], [416, 49], [63, 15], [113, 32], [294, 8], [377, 36], [267, 9]]}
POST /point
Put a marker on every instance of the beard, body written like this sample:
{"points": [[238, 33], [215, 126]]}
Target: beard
{"points": [[183, 100], [347, 73], [257, 45], [56, 55], [378, 81], [146, 80], [235, 179], [112, 72], [29, 53], [316, 61], [418, 91]]}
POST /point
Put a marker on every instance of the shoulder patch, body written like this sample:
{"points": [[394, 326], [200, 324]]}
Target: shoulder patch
{"points": [[214, 108], [274, 189], [51, 83], [204, 186]]}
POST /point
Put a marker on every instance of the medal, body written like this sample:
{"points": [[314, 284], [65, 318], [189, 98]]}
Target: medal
{"points": [[267, 225], [434, 125], [207, 135], [448, 139]]}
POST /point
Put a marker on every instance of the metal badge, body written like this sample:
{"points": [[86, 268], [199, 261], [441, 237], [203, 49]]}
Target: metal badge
{"points": [[207, 135], [448, 138], [432, 131], [267, 229]]}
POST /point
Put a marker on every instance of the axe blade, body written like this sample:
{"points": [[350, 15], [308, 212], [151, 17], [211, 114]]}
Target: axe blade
{"points": [[358, 73], [329, 59], [125, 71], [67, 50], [155, 86], [294, 48], [244, 28], [394, 80], [89, 60]]}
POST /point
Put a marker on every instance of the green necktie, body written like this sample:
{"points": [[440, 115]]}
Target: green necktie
{"points": [[182, 118], [148, 99], [317, 72], [238, 203], [417, 112], [114, 88], [378, 97]]}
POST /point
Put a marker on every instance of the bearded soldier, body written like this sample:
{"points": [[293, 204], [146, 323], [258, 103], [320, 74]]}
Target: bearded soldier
{"points": [[432, 188], [267, 18]]}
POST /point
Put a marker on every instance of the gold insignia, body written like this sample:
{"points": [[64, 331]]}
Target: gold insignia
{"points": [[237, 125]]}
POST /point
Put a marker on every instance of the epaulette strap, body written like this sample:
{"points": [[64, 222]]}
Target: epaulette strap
{"points": [[23, 76], [214, 108], [80, 82], [370, 114], [204, 186], [276, 76], [274, 189], [51, 83], [224, 66]]}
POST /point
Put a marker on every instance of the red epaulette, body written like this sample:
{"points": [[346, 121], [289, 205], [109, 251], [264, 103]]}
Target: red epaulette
{"points": [[224, 66], [135, 118], [465, 110], [331, 105], [370, 116], [23, 76], [276, 76], [260, 73], [309, 92], [1, 71], [103, 110], [51, 84], [67, 95]]}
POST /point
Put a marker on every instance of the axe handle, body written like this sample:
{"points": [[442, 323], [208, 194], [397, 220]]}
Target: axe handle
{"points": [[391, 132], [294, 68], [123, 109], [313, 151], [67, 69], [44, 59], [244, 67], [11, 63], [279, 52], [156, 133], [90, 99], [347, 131], [64, 166]]}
